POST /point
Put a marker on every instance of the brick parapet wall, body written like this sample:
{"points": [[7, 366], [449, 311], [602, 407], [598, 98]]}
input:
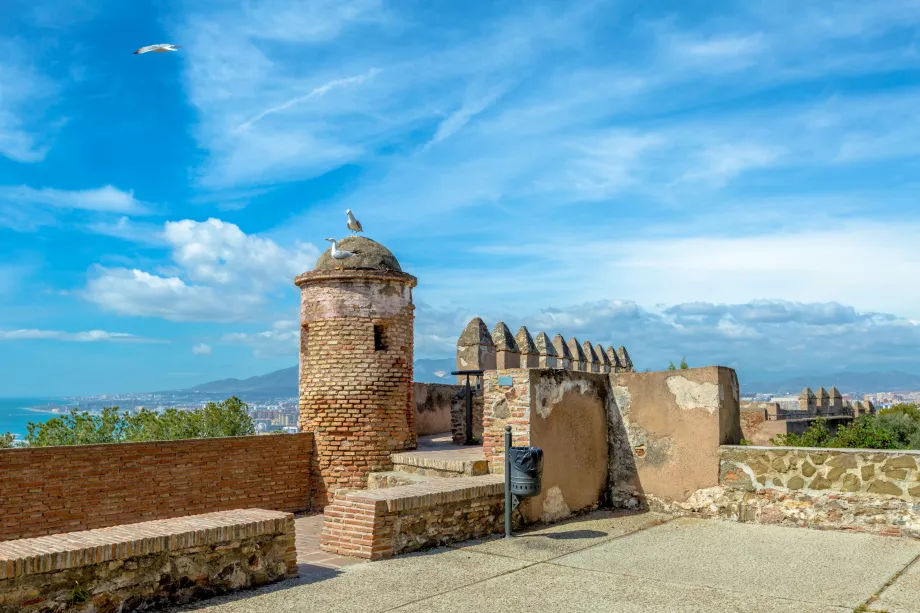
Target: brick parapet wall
{"points": [[48, 490], [505, 405], [147, 564], [376, 524]]}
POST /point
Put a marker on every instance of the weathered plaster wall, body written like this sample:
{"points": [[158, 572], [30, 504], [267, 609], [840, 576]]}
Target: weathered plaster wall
{"points": [[674, 423], [433, 402], [565, 414]]}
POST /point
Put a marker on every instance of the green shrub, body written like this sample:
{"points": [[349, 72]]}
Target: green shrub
{"points": [[6, 440], [227, 418], [892, 430]]}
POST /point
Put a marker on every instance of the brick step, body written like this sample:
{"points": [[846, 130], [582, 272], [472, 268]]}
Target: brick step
{"points": [[439, 464], [394, 478]]}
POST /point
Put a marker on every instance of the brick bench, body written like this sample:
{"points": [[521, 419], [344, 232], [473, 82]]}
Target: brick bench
{"points": [[375, 524], [153, 563]]}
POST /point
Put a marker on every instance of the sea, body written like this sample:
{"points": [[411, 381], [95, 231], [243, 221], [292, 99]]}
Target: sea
{"points": [[15, 413]]}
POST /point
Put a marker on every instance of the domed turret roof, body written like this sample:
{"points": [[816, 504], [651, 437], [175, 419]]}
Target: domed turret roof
{"points": [[369, 255]]}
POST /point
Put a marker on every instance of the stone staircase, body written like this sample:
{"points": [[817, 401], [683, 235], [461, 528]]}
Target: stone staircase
{"points": [[436, 458]]}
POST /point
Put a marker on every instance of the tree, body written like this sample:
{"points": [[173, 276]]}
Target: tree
{"points": [[683, 363], [227, 418], [671, 366], [6, 440]]}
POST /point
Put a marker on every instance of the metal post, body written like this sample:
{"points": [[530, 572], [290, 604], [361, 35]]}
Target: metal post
{"points": [[469, 412], [507, 481]]}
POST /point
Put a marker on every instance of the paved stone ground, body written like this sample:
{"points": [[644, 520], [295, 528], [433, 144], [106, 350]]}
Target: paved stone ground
{"points": [[309, 557], [617, 562]]}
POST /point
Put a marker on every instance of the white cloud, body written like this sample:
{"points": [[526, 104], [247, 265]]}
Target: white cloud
{"points": [[79, 337], [222, 274], [107, 199], [282, 340], [201, 349], [760, 338], [26, 94]]}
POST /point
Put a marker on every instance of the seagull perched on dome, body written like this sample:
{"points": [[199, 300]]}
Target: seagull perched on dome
{"points": [[158, 48], [338, 254], [353, 224]]}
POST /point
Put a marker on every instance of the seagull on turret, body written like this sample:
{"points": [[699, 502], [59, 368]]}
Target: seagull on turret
{"points": [[158, 48], [338, 254], [353, 224]]}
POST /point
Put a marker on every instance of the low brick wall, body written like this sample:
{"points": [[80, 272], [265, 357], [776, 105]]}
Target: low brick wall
{"points": [[49, 490], [150, 564], [376, 524], [846, 489]]}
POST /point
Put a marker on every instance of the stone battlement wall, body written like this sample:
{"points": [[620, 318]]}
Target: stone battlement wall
{"points": [[48, 490], [434, 403], [479, 349]]}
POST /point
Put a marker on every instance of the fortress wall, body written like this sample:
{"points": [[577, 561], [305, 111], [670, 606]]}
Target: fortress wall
{"points": [[49, 490]]}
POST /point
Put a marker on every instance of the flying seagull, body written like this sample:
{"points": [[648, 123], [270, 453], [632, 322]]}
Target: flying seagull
{"points": [[337, 254], [158, 48], [353, 224]]}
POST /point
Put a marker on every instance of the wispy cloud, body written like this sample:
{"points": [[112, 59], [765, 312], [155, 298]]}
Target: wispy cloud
{"points": [[24, 130], [91, 336], [106, 199]]}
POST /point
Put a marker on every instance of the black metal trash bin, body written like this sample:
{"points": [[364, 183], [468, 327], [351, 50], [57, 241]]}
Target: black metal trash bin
{"points": [[526, 471]]}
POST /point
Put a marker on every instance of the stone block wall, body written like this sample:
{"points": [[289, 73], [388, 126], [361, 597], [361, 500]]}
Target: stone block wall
{"points": [[671, 424], [47, 490], [147, 565], [564, 413], [376, 524], [434, 407], [856, 490], [850, 471]]}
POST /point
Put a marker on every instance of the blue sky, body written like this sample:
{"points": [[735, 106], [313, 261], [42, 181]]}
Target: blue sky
{"points": [[736, 182]]}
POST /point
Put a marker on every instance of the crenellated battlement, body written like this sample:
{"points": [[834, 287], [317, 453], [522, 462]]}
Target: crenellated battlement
{"points": [[478, 349]]}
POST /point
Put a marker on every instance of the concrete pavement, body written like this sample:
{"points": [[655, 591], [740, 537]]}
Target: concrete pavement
{"points": [[617, 562]]}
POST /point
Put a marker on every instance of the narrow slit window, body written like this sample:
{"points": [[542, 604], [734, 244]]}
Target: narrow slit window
{"points": [[380, 339]]}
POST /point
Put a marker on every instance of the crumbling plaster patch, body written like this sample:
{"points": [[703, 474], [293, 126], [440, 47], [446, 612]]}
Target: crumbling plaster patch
{"points": [[554, 506], [550, 392], [690, 395]]}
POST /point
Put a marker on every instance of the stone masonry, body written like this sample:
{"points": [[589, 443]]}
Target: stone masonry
{"points": [[477, 349], [356, 355], [152, 564]]}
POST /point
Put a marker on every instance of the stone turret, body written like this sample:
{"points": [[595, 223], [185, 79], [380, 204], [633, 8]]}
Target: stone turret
{"points": [[836, 401], [593, 361], [615, 365], [356, 356], [564, 357], [579, 359], [822, 401], [475, 349], [546, 352], [530, 357], [807, 401], [507, 354], [604, 358], [625, 361]]}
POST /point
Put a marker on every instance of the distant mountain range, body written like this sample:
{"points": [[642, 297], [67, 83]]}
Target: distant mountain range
{"points": [[283, 383], [848, 382]]}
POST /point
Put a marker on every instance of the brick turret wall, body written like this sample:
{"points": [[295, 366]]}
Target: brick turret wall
{"points": [[356, 393]]}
